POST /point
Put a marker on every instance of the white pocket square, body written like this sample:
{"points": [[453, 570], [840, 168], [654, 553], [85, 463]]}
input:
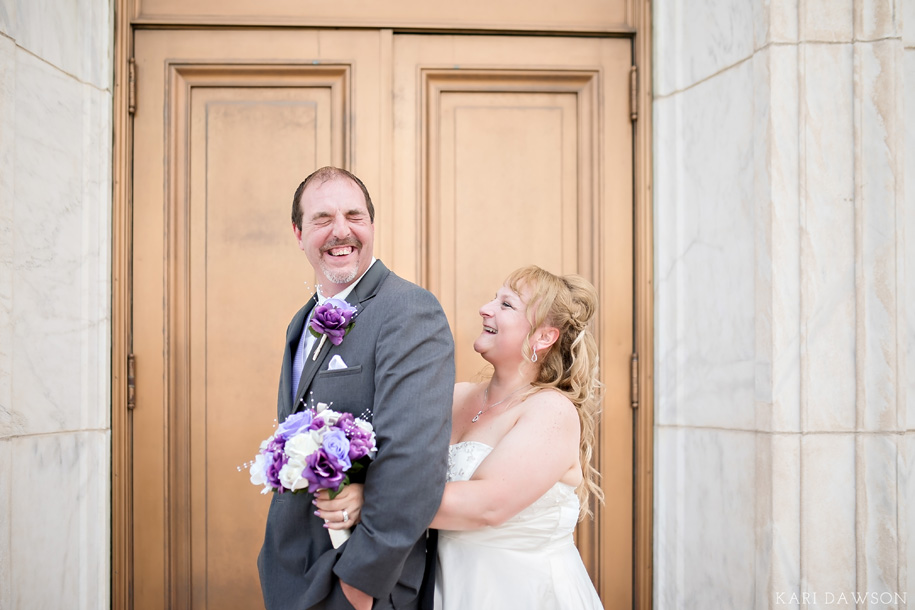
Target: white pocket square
{"points": [[336, 363]]}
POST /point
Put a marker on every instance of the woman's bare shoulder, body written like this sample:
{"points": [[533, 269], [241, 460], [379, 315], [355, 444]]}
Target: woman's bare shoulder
{"points": [[463, 389], [550, 403]]}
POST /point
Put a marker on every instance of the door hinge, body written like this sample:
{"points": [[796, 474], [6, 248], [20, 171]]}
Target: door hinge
{"points": [[131, 382], [634, 381], [132, 86], [633, 93]]}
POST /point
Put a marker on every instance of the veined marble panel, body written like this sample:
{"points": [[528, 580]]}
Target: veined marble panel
{"points": [[878, 19], [7, 150], [6, 491], [667, 188], [74, 36], [61, 539], [827, 238], [95, 261], [776, 21], [666, 23], [697, 38], [778, 504], [826, 20], [878, 462], [705, 506], [834, 299], [828, 496], [908, 248], [906, 498], [61, 241], [706, 258], [777, 234], [908, 23], [879, 141], [7, 17]]}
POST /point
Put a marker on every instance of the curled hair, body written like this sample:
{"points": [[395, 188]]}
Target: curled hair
{"points": [[570, 365], [322, 175]]}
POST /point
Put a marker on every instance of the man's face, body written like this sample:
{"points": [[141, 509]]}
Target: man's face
{"points": [[337, 234]]}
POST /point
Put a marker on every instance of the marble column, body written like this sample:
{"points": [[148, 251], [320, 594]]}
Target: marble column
{"points": [[55, 210], [782, 323]]}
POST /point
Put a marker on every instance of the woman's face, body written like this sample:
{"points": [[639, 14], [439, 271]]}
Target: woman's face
{"points": [[505, 327]]}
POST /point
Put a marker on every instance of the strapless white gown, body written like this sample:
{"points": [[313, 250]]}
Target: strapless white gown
{"points": [[528, 562]]}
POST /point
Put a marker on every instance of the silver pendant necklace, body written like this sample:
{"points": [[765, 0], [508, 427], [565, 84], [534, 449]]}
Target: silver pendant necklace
{"points": [[495, 404]]}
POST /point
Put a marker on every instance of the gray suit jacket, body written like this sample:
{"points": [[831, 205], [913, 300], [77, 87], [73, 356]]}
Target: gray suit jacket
{"points": [[400, 374]]}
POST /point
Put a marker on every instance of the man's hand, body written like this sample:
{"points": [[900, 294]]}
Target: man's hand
{"points": [[359, 600]]}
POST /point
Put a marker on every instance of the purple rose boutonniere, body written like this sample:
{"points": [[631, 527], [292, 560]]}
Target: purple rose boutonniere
{"points": [[331, 320]]}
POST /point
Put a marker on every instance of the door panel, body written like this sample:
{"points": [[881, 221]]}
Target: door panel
{"points": [[237, 218], [517, 195], [506, 187], [522, 154], [217, 277], [481, 153]]}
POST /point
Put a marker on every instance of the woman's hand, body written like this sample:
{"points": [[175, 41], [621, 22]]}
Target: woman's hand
{"points": [[344, 511]]}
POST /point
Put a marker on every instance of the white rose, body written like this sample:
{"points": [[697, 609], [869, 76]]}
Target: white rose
{"points": [[291, 475], [320, 407], [364, 425], [301, 446], [330, 417], [258, 471]]}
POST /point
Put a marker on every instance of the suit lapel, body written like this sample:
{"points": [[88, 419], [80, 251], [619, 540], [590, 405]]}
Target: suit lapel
{"points": [[368, 286], [364, 290]]}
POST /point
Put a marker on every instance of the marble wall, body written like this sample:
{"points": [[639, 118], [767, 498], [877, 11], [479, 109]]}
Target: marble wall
{"points": [[785, 302], [55, 211]]}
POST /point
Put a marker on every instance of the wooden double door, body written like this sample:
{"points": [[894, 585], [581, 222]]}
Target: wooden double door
{"points": [[482, 154]]}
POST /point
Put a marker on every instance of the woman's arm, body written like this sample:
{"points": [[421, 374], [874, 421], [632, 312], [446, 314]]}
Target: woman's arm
{"points": [[536, 453]]}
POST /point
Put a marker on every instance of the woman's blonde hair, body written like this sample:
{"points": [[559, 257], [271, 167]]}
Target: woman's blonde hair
{"points": [[570, 365]]}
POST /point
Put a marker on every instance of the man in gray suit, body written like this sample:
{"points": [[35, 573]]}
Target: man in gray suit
{"points": [[396, 368]]}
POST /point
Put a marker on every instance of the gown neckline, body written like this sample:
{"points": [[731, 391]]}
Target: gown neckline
{"points": [[472, 443], [490, 447]]}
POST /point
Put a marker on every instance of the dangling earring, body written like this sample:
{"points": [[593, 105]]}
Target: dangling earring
{"points": [[534, 356]]}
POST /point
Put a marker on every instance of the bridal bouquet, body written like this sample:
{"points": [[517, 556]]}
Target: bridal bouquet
{"points": [[317, 448]]}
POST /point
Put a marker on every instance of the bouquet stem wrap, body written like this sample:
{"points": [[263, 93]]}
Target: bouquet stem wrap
{"points": [[338, 537]]}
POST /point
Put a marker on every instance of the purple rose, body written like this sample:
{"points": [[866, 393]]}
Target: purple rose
{"points": [[275, 462], [333, 318], [294, 424], [360, 445], [316, 424], [345, 422], [323, 471], [336, 445], [275, 444]]}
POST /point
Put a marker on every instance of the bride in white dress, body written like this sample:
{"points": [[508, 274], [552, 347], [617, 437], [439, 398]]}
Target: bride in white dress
{"points": [[520, 466], [520, 474]]}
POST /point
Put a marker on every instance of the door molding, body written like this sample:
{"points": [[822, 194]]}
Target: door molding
{"points": [[638, 30], [587, 16], [121, 289], [643, 258]]}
